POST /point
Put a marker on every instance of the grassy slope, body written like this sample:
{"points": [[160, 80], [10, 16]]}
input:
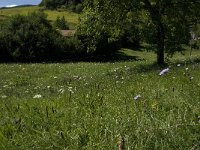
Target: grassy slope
{"points": [[71, 17], [90, 105]]}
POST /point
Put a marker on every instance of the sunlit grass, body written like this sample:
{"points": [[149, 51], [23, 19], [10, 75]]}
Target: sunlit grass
{"points": [[71, 18], [91, 105]]}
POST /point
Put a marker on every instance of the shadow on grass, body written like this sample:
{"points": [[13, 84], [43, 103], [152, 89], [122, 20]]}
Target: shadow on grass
{"points": [[139, 48], [117, 57]]}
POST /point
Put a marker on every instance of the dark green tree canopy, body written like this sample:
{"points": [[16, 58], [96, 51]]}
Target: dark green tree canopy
{"points": [[52, 4]]}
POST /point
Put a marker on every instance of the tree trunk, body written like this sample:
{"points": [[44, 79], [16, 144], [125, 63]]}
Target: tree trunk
{"points": [[160, 44], [160, 33]]}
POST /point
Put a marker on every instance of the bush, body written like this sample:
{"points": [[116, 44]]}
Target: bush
{"points": [[72, 7], [4, 54], [61, 23], [32, 38], [99, 45], [97, 38], [131, 36], [79, 8]]}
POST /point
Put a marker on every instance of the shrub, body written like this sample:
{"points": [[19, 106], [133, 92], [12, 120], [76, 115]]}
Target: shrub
{"points": [[98, 45], [4, 54], [61, 23], [96, 37], [131, 36], [32, 38], [79, 8]]}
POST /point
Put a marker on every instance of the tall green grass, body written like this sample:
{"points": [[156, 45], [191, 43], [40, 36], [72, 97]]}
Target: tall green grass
{"points": [[91, 105]]}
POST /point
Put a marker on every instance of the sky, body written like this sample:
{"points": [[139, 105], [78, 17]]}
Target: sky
{"points": [[10, 3]]}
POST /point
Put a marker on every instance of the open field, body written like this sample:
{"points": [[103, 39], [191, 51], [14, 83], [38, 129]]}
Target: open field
{"points": [[71, 17], [91, 105]]}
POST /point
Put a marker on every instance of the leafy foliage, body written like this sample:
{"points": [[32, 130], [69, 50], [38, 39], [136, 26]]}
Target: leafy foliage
{"points": [[61, 23], [53, 4], [131, 31], [32, 38], [165, 23], [97, 31]]}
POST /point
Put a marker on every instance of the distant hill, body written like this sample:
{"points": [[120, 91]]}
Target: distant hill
{"points": [[27, 5], [71, 17], [18, 6]]}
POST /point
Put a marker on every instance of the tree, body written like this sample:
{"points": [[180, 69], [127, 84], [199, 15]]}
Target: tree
{"points": [[30, 38], [170, 19]]}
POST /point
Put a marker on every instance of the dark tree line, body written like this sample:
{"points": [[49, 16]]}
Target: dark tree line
{"points": [[52, 4]]}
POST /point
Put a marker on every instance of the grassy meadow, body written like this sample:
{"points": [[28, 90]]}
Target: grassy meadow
{"points": [[71, 18], [93, 105]]}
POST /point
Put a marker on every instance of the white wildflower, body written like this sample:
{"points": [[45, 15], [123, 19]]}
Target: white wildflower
{"points": [[48, 87], [186, 69], [5, 86], [137, 97], [61, 91], [70, 89], [37, 87], [3, 96], [55, 77], [178, 65], [37, 96], [164, 71]]}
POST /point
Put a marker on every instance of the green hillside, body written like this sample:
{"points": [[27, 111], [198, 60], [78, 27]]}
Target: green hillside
{"points": [[71, 17]]}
